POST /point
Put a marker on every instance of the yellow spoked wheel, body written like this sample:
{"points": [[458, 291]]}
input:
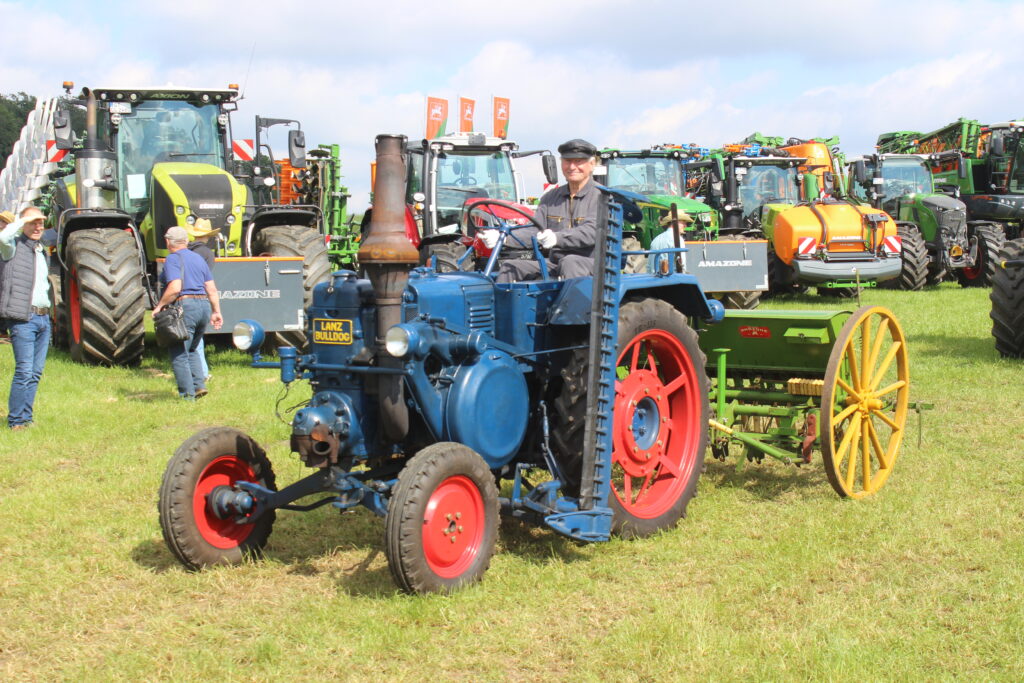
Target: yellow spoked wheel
{"points": [[864, 402]]}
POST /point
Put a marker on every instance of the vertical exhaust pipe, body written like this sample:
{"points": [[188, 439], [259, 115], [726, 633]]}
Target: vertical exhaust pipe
{"points": [[95, 167], [387, 255]]}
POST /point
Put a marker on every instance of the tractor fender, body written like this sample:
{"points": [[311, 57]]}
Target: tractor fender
{"points": [[680, 290], [267, 216], [75, 219]]}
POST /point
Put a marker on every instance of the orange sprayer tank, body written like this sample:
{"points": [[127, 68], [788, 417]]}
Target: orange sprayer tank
{"points": [[847, 229]]}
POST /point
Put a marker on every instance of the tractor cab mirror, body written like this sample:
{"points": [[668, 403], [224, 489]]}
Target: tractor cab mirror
{"points": [[997, 146], [297, 148], [961, 166], [550, 168], [860, 171], [65, 137]]}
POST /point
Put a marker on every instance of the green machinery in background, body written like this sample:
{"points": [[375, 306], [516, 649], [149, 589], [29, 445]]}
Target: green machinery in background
{"points": [[937, 238], [735, 271], [322, 187], [991, 183]]}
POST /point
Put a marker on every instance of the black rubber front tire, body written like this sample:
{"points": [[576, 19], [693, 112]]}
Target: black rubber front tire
{"points": [[296, 240], [1008, 302], [635, 318], [106, 297], [741, 300], [990, 237], [913, 258], [214, 456], [448, 255], [445, 492]]}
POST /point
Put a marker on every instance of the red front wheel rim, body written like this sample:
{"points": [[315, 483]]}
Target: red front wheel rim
{"points": [[656, 424], [225, 470], [75, 307], [453, 527]]}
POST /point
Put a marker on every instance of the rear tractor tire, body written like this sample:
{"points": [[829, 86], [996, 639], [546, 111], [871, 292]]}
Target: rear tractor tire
{"points": [[215, 457], [660, 419], [295, 240], [1008, 302], [442, 521], [105, 299]]}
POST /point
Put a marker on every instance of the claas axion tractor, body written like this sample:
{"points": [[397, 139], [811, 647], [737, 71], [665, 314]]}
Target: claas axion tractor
{"points": [[151, 159], [587, 397]]}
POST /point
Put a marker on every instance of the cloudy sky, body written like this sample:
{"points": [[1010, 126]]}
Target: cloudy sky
{"points": [[618, 74]]}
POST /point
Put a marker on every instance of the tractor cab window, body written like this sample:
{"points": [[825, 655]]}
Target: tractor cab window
{"points": [[905, 176], [414, 175], [858, 190], [648, 175], [767, 185], [463, 175], [1017, 169], [160, 130]]}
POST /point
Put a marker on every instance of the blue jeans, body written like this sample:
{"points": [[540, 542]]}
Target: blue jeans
{"points": [[185, 358], [31, 340]]}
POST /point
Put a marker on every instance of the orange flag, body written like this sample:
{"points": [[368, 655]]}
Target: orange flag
{"points": [[501, 109], [466, 107], [437, 117]]}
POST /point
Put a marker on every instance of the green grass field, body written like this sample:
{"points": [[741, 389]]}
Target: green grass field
{"points": [[771, 576]]}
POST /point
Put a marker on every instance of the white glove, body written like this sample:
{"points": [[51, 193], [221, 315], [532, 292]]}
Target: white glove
{"points": [[547, 238], [489, 236]]}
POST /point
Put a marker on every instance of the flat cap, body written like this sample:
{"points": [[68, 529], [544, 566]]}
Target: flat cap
{"points": [[176, 234], [576, 149]]}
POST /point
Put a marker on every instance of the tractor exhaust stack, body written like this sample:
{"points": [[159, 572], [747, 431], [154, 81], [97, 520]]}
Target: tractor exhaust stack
{"points": [[95, 167], [388, 255]]}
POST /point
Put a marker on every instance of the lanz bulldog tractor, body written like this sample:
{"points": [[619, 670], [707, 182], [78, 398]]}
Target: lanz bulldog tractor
{"points": [[428, 389]]}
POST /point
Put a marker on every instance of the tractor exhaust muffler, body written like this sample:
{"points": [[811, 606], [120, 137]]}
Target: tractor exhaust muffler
{"points": [[387, 255]]}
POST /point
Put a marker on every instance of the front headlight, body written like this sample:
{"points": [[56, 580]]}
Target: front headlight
{"points": [[396, 341], [705, 218], [247, 335]]}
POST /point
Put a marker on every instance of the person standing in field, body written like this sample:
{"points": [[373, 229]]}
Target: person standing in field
{"points": [[187, 279], [25, 310]]}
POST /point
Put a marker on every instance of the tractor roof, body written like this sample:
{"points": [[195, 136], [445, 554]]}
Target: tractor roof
{"points": [[197, 95], [472, 140], [670, 151]]}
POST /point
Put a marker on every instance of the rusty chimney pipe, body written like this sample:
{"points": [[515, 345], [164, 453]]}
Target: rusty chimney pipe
{"points": [[387, 256]]}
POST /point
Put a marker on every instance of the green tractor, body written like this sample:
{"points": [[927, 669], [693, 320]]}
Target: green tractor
{"points": [[733, 271], [937, 239], [151, 159], [991, 182]]}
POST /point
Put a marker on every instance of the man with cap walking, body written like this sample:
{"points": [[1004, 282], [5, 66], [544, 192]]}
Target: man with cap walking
{"points": [[25, 309], [188, 280], [568, 218]]}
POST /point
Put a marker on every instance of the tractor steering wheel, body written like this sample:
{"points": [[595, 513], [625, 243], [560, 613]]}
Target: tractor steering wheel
{"points": [[465, 181], [499, 224]]}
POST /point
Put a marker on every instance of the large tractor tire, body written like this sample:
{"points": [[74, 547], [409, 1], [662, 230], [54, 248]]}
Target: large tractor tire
{"points": [[442, 521], [1008, 302], [780, 276], [990, 238], [296, 240], [105, 297], [914, 260], [660, 419], [213, 458]]}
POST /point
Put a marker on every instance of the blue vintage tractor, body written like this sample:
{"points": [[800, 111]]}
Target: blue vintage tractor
{"points": [[429, 390]]}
